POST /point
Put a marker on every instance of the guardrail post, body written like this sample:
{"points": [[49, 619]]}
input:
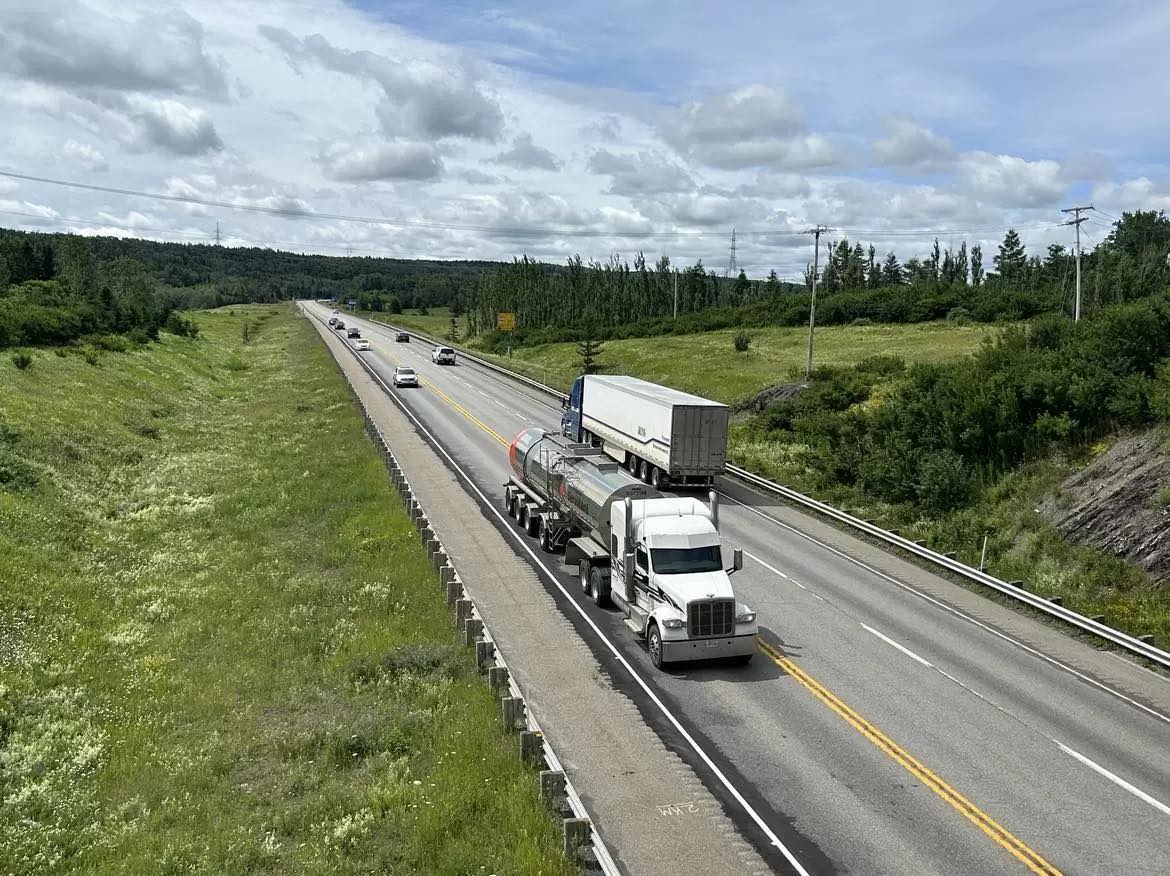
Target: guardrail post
{"points": [[498, 678], [472, 630], [462, 612], [512, 712], [576, 836], [446, 574], [552, 789], [454, 592], [485, 653], [531, 746]]}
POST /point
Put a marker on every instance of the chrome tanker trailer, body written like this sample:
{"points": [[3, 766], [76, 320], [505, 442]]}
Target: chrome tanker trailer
{"points": [[657, 558]]}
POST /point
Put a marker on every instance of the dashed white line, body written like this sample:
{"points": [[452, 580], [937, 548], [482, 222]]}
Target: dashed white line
{"points": [[897, 645], [1115, 779]]}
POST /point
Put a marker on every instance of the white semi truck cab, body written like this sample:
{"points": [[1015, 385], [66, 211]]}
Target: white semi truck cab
{"points": [[659, 559]]}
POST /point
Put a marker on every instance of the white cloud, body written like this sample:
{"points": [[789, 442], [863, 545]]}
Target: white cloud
{"points": [[640, 173], [909, 143], [38, 213], [1010, 181], [346, 162], [1133, 194], [526, 155], [422, 97], [755, 126], [168, 125], [72, 45], [85, 155]]}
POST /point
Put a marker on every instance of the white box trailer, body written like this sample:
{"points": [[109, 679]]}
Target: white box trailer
{"points": [[660, 434]]}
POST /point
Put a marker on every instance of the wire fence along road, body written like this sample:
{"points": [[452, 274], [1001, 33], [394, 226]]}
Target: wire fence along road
{"points": [[1123, 640]]}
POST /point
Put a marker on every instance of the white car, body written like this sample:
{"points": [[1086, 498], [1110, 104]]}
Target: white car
{"points": [[362, 345], [443, 356], [405, 377]]}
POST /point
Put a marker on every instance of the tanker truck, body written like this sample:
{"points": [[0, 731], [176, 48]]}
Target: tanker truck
{"points": [[658, 559]]}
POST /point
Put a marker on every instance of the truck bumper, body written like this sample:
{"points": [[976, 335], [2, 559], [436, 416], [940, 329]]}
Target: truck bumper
{"points": [[708, 649]]}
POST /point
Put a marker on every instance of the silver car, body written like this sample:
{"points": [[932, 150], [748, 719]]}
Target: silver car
{"points": [[405, 377]]}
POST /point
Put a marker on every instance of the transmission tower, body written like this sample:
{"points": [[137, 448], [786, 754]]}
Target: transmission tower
{"points": [[217, 237], [732, 267]]}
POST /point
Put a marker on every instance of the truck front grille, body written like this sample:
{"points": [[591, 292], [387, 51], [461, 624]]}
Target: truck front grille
{"points": [[715, 617]]}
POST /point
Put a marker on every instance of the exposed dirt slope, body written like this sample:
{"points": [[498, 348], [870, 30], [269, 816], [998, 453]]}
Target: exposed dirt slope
{"points": [[1121, 503]]}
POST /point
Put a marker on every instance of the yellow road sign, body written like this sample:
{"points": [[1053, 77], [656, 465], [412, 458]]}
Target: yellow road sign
{"points": [[505, 321]]}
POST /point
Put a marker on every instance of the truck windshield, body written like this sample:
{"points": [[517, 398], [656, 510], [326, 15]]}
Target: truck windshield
{"points": [[682, 561]]}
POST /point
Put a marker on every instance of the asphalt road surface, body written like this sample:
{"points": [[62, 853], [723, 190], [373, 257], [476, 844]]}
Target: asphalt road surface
{"points": [[879, 729]]}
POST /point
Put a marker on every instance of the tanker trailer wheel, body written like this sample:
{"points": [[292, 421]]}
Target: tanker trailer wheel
{"points": [[510, 503], [546, 544], [597, 587], [654, 645], [644, 472], [656, 478], [531, 523], [631, 463], [583, 576]]}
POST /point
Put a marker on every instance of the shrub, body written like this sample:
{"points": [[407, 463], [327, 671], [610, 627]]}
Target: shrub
{"points": [[177, 324], [91, 357], [21, 360], [742, 342], [235, 363]]}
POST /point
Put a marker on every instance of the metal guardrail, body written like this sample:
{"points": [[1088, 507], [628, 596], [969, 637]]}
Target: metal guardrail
{"points": [[1123, 640], [604, 861]]}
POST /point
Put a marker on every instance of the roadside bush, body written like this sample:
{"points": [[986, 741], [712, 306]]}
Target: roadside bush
{"points": [[21, 360], [177, 324], [742, 342]]}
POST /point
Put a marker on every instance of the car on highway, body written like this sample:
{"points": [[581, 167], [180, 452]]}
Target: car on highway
{"points": [[443, 356], [405, 377], [353, 332], [339, 325], [362, 345], [402, 338]]}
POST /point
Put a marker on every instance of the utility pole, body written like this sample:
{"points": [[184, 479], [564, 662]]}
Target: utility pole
{"points": [[816, 232], [676, 293], [1076, 222]]}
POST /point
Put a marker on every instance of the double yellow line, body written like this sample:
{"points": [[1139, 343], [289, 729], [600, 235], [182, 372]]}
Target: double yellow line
{"points": [[998, 833]]}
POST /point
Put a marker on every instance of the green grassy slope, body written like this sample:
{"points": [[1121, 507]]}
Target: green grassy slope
{"points": [[708, 364], [221, 646]]}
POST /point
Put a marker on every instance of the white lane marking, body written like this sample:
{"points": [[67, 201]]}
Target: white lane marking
{"points": [[956, 612], [1115, 779], [900, 647], [662, 707]]}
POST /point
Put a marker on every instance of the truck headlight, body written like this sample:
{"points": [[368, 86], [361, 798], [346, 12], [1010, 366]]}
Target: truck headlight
{"points": [[747, 617], [673, 624]]}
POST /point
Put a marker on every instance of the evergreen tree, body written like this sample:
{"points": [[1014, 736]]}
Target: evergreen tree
{"points": [[588, 351], [1011, 262], [892, 274], [934, 264], [961, 264], [772, 284], [976, 266]]}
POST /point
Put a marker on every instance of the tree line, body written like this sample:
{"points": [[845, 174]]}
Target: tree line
{"points": [[618, 299]]}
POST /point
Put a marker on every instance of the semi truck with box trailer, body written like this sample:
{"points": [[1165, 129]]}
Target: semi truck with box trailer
{"points": [[661, 435], [658, 559]]}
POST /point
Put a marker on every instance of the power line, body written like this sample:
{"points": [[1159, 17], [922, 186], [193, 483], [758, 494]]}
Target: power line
{"points": [[497, 230]]}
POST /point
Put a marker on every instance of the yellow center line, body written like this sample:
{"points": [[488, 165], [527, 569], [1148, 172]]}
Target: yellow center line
{"points": [[999, 834], [458, 407]]}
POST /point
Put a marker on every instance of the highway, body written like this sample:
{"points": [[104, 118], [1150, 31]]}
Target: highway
{"points": [[879, 729]]}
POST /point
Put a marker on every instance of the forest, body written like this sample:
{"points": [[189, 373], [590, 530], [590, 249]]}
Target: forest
{"points": [[54, 288]]}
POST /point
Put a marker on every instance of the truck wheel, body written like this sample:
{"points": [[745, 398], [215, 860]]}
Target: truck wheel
{"points": [[597, 586], [655, 477], [510, 504], [654, 645], [583, 576], [531, 524], [644, 472], [632, 463], [546, 544]]}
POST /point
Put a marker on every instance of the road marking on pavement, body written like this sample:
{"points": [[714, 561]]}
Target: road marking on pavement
{"points": [[1088, 679], [901, 648], [773, 839], [999, 834], [1117, 780]]}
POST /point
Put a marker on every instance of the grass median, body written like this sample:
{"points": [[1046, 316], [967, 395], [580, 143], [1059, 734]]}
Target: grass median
{"points": [[222, 648]]}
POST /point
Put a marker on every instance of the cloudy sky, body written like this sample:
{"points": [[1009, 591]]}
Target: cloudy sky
{"points": [[483, 131]]}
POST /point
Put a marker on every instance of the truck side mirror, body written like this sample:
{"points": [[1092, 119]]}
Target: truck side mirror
{"points": [[736, 560]]}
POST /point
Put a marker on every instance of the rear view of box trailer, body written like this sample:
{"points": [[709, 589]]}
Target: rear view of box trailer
{"points": [[660, 434]]}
